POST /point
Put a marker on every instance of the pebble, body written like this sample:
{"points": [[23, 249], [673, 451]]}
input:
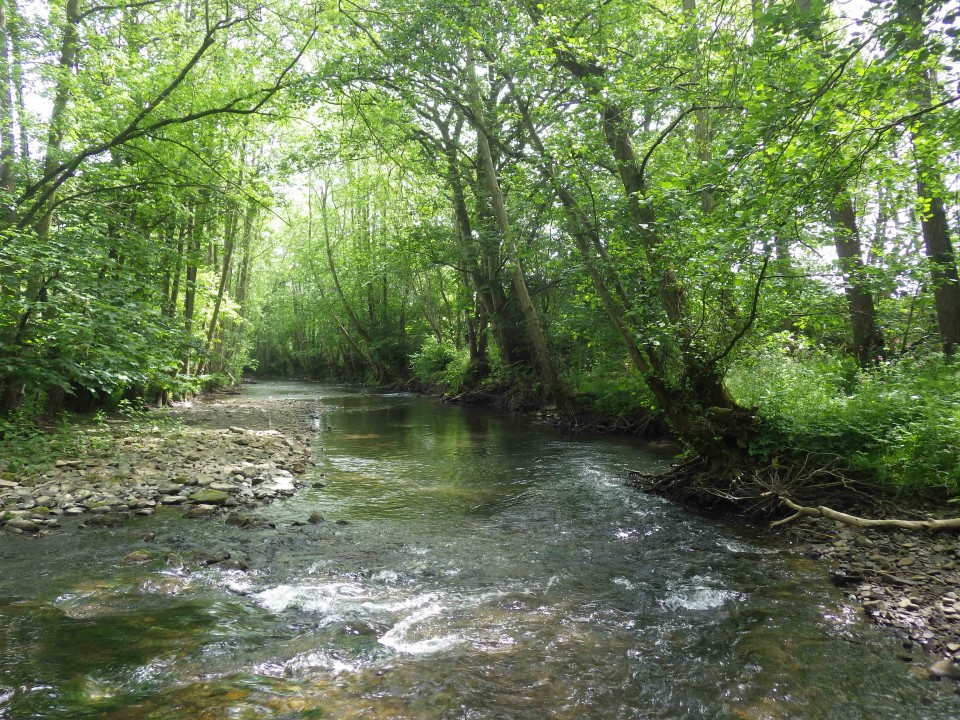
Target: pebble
{"points": [[145, 471], [906, 581], [22, 524]]}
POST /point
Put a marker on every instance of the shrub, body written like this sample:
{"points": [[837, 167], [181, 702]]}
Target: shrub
{"points": [[429, 365], [898, 422]]}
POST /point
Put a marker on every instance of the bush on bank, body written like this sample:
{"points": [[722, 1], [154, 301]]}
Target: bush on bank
{"points": [[897, 424]]}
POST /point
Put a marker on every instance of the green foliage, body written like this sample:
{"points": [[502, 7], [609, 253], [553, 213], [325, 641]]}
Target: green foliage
{"points": [[29, 442], [611, 389], [432, 360], [439, 363], [898, 423]]}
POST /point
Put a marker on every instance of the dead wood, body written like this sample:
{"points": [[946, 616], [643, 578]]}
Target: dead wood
{"points": [[856, 521]]}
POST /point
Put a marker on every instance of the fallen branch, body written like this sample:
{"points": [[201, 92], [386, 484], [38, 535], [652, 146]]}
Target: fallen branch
{"points": [[825, 512]]}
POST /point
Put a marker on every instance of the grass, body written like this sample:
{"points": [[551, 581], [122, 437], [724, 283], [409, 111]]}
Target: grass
{"points": [[31, 443], [898, 423]]}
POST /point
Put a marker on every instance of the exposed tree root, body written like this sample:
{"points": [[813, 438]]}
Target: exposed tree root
{"points": [[821, 511], [736, 481], [642, 423]]}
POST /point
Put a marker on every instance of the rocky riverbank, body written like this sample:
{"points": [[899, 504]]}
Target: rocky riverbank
{"points": [[906, 581], [212, 457], [203, 459]]}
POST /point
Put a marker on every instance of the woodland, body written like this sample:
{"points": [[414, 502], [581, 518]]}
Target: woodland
{"points": [[734, 220]]}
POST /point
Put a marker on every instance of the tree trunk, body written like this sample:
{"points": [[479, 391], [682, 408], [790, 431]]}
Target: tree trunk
{"points": [[930, 190], [170, 310], [367, 350], [587, 238], [867, 340], [703, 134], [7, 140], [190, 287], [58, 126], [489, 174], [476, 259], [228, 243], [13, 26]]}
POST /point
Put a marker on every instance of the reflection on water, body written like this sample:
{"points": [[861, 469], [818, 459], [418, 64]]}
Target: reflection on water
{"points": [[481, 569]]}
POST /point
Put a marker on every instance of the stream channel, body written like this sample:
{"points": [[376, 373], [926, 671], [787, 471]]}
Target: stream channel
{"points": [[485, 567]]}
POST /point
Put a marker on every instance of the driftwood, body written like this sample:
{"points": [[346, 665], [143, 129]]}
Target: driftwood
{"points": [[825, 512]]}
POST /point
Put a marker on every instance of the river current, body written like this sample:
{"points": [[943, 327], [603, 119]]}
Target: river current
{"points": [[469, 565]]}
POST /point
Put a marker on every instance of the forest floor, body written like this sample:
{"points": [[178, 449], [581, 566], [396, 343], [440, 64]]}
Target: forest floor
{"points": [[209, 457]]}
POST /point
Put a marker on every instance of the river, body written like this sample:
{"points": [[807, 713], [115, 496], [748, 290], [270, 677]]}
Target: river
{"points": [[469, 565]]}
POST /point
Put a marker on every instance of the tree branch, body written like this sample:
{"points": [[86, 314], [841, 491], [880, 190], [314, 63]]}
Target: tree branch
{"points": [[825, 512], [673, 126]]}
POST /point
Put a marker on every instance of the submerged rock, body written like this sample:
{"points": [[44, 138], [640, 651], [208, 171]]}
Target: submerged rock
{"points": [[104, 521], [206, 557], [138, 556], [945, 669], [22, 524]]}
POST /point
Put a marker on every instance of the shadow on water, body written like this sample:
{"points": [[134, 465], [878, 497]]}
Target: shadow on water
{"points": [[480, 568]]}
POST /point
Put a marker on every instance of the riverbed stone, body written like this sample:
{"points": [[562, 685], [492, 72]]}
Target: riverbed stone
{"points": [[138, 556], [225, 487], [210, 497], [23, 525], [945, 669], [201, 511]]}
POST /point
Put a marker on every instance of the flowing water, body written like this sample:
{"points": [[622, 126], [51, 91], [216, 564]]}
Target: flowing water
{"points": [[469, 566]]}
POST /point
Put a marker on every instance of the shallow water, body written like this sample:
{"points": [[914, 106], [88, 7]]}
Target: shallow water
{"points": [[485, 569]]}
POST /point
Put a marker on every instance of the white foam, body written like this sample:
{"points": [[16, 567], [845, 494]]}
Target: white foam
{"points": [[320, 660], [699, 598], [403, 637], [328, 599]]}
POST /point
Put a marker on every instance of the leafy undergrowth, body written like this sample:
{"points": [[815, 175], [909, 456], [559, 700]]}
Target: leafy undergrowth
{"points": [[897, 424], [29, 444]]}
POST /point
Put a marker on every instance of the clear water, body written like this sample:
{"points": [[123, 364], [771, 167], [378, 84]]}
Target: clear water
{"points": [[483, 568]]}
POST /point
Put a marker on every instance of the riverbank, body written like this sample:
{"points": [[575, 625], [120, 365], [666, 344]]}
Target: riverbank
{"points": [[906, 581], [202, 457], [222, 454]]}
